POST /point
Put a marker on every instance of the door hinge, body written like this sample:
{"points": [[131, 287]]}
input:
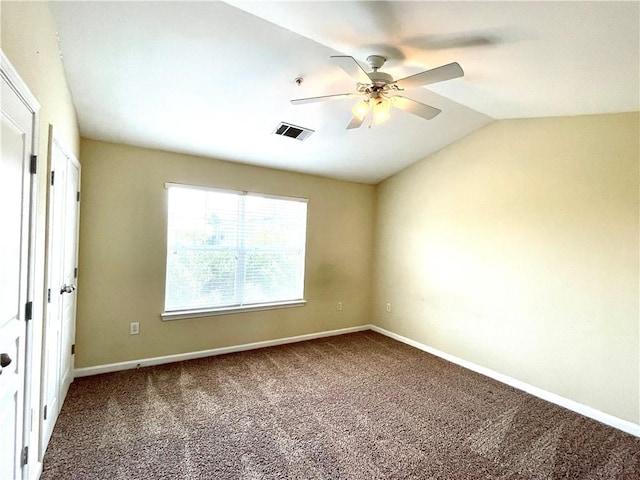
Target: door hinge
{"points": [[53, 176], [33, 167], [25, 455], [75, 272], [28, 311], [45, 412], [77, 196], [48, 295], [73, 349]]}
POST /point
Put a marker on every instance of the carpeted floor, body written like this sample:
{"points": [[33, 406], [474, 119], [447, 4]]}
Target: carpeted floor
{"points": [[357, 406]]}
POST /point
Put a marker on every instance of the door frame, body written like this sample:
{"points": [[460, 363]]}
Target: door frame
{"points": [[32, 468]]}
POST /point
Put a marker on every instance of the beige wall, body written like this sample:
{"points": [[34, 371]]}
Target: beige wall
{"points": [[29, 41], [517, 249], [123, 248]]}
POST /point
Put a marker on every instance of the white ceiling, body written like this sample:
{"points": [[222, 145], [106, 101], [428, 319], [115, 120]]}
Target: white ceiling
{"points": [[215, 79]]}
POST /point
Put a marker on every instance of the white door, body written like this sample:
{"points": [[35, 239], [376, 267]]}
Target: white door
{"points": [[52, 324], [70, 273], [15, 270], [59, 331]]}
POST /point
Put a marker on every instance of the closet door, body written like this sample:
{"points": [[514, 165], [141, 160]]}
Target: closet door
{"points": [[62, 255], [16, 266]]}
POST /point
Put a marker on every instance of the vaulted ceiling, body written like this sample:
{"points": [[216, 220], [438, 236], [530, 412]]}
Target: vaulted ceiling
{"points": [[215, 79]]}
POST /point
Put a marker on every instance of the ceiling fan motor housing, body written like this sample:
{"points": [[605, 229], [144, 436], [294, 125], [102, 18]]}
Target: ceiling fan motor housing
{"points": [[376, 61], [380, 77]]}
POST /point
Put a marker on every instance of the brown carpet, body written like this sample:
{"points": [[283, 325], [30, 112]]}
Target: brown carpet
{"points": [[358, 406]]}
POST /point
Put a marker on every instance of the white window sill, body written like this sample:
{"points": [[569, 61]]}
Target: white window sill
{"points": [[211, 312]]}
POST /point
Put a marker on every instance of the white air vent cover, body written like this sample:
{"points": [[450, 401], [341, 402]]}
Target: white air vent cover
{"points": [[292, 131]]}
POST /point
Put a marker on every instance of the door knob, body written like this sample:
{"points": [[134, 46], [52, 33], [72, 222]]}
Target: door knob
{"points": [[67, 289], [5, 360]]}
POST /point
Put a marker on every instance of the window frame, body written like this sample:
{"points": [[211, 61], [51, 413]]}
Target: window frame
{"points": [[226, 310]]}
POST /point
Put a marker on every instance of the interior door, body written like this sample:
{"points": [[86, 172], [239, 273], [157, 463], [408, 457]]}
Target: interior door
{"points": [[69, 273], [59, 334], [52, 326], [15, 197]]}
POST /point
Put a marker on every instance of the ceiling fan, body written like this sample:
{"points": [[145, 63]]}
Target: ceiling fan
{"points": [[379, 91]]}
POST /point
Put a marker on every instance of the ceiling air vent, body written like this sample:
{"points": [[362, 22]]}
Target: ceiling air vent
{"points": [[293, 131]]}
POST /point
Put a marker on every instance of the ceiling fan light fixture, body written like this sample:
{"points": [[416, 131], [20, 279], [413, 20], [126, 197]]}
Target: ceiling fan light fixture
{"points": [[381, 110], [361, 109]]}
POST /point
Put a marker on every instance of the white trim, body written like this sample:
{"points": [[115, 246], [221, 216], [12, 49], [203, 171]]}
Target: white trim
{"points": [[211, 312], [146, 362], [230, 191], [35, 470], [607, 419], [8, 71]]}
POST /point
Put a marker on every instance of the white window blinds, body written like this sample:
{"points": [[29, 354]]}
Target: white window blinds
{"points": [[232, 249]]}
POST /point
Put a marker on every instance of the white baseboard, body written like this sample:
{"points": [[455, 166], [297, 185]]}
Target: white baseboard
{"points": [[147, 362], [585, 410], [607, 419], [35, 470]]}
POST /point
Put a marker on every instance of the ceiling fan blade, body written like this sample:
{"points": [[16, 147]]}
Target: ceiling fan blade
{"points": [[353, 68], [355, 122], [445, 42], [439, 74], [420, 109], [300, 101]]}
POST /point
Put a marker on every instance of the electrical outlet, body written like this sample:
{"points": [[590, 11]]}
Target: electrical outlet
{"points": [[339, 306], [134, 328], [388, 306]]}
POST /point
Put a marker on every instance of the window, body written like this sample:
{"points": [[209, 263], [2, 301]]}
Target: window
{"points": [[230, 251]]}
